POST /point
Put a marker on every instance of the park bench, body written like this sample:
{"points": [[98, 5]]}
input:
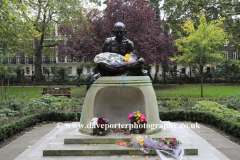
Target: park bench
{"points": [[57, 92]]}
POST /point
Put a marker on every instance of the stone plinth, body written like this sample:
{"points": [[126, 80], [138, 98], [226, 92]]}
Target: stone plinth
{"points": [[117, 97]]}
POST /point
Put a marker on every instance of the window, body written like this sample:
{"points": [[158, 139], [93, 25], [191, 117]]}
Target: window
{"points": [[69, 70], [234, 55], [33, 59], [69, 59], [62, 59], [43, 59], [27, 70], [9, 60], [88, 71], [17, 59], [26, 60], [183, 71], [52, 58], [226, 55], [44, 70], [208, 69], [225, 44], [175, 68], [52, 70]]}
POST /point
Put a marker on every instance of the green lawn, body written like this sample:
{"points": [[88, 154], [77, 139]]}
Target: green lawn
{"points": [[36, 92], [194, 91], [190, 91]]}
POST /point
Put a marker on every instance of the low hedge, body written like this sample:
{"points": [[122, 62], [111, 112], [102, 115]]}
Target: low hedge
{"points": [[18, 125], [203, 116], [200, 116]]}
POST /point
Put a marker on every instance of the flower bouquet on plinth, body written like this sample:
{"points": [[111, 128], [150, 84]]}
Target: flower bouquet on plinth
{"points": [[139, 121], [170, 142], [99, 126], [164, 148]]}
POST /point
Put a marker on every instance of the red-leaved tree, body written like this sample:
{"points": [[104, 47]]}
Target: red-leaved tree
{"points": [[151, 40]]}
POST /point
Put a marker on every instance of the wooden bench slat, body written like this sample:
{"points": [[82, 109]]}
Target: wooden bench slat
{"points": [[57, 91]]}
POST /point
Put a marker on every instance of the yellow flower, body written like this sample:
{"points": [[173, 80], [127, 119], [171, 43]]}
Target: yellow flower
{"points": [[140, 140], [139, 114], [127, 57]]}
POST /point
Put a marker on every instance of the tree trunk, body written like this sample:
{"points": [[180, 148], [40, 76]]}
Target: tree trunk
{"points": [[212, 78], [8, 88], [38, 59], [34, 81], [48, 81], [164, 75], [22, 83], [190, 70], [201, 72], [2, 88], [149, 74], [5, 88], [156, 72]]}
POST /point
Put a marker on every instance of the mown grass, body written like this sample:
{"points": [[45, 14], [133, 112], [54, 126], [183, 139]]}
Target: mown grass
{"points": [[194, 91], [36, 92], [189, 91]]}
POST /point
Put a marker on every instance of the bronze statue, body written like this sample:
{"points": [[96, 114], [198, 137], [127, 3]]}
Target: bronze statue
{"points": [[121, 46]]}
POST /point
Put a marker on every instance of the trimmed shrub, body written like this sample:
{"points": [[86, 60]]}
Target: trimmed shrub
{"points": [[223, 123], [18, 125]]}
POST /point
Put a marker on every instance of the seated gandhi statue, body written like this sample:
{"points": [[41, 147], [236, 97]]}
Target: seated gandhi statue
{"points": [[111, 59]]}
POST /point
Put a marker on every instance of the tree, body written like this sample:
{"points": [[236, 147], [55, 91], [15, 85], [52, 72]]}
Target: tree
{"points": [[143, 29], [15, 31], [62, 74], [177, 12], [80, 69], [47, 71], [10, 72], [47, 15], [202, 45]]}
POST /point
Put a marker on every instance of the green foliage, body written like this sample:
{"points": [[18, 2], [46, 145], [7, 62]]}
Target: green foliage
{"points": [[219, 109], [178, 11], [6, 114], [80, 69], [13, 103], [16, 126], [202, 45], [225, 124], [172, 103], [61, 75], [231, 102], [47, 71], [16, 31], [49, 103]]}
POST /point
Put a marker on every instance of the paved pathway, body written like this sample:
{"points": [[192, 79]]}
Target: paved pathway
{"points": [[15, 148]]}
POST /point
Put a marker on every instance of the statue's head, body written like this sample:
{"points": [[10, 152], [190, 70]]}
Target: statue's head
{"points": [[119, 29]]}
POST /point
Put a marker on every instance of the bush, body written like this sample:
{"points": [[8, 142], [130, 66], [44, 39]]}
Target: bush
{"points": [[231, 102], [16, 126], [223, 123], [219, 109], [49, 103]]}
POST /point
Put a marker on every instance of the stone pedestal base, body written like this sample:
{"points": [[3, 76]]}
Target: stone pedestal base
{"points": [[117, 97]]}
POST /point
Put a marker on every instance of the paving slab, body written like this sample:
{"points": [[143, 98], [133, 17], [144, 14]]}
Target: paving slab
{"points": [[187, 136], [222, 149]]}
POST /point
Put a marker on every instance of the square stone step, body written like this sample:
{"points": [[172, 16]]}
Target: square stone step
{"points": [[100, 150], [99, 140]]}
